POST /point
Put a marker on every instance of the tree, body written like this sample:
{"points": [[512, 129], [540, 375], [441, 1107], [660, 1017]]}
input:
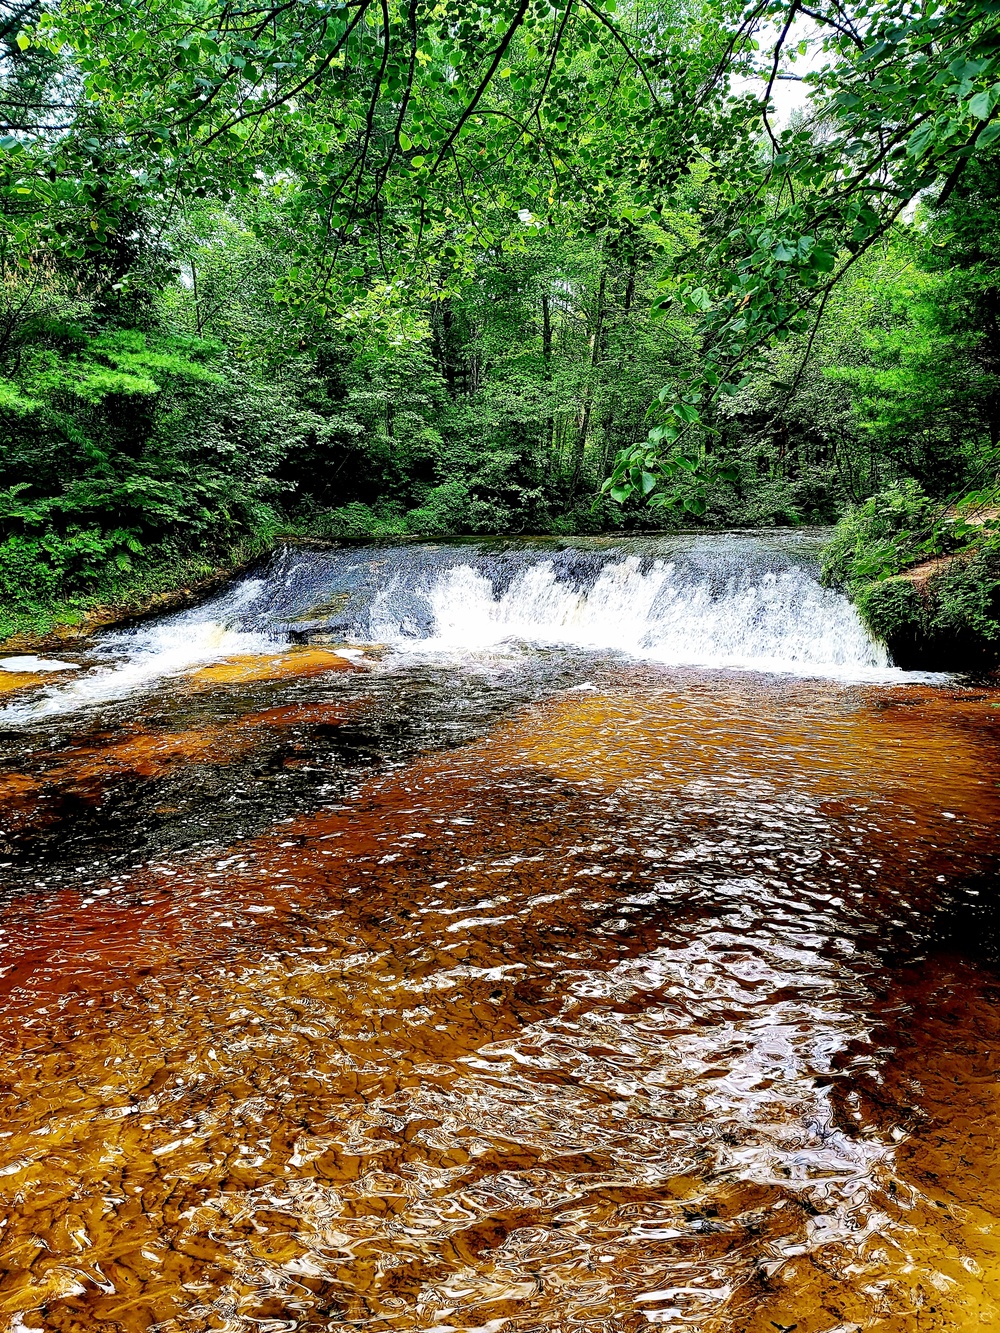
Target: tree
{"points": [[904, 99]]}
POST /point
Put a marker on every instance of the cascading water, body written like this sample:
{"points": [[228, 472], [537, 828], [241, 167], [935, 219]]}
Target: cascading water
{"points": [[765, 620], [727, 600]]}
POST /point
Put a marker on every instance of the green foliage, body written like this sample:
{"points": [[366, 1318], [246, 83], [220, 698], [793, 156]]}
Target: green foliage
{"points": [[390, 269], [903, 101], [949, 622], [946, 613], [896, 612], [357, 520], [886, 534], [42, 605], [122, 445], [967, 597]]}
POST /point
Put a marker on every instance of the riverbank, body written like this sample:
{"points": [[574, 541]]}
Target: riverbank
{"points": [[124, 596], [925, 579]]}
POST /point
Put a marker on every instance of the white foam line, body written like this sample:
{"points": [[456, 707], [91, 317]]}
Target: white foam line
{"points": [[170, 649]]}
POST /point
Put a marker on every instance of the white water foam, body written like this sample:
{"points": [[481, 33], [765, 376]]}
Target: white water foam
{"points": [[740, 615], [138, 659], [784, 621]]}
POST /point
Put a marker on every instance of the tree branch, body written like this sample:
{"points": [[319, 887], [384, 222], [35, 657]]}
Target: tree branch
{"points": [[499, 54]]}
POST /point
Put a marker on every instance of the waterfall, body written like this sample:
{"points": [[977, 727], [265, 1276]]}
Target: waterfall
{"points": [[764, 619], [746, 601]]}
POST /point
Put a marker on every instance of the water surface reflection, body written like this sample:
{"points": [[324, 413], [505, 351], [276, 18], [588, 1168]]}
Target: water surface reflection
{"points": [[666, 1000]]}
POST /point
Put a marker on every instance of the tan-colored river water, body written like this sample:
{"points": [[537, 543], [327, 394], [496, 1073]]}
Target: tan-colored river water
{"points": [[671, 1000]]}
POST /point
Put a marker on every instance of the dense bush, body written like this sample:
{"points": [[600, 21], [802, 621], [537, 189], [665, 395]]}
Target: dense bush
{"points": [[890, 531], [948, 622], [120, 446], [926, 580]]}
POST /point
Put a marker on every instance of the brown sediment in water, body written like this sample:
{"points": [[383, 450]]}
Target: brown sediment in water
{"points": [[83, 772], [18, 799], [594, 1024], [26, 680], [303, 663], [702, 735], [18, 680]]}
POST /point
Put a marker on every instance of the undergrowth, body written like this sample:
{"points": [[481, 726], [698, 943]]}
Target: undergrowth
{"points": [[925, 578], [120, 593]]}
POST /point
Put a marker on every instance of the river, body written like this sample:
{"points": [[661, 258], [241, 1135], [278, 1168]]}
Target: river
{"points": [[602, 939]]}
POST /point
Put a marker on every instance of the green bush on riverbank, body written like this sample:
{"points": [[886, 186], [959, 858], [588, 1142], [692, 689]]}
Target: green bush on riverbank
{"points": [[129, 459], [116, 594], [925, 579]]}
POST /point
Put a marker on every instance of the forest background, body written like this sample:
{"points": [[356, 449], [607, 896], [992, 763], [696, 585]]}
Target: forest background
{"points": [[357, 269]]}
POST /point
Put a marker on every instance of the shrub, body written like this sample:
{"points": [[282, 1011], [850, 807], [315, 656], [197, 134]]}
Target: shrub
{"points": [[947, 620], [966, 602], [445, 510], [356, 520], [888, 532], [895, 612]]}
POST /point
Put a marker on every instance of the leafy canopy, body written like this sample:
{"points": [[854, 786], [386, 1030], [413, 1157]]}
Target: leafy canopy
{"points": [[398, 143]]}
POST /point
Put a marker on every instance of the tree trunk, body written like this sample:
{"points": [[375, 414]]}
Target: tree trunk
{"points": [[549, 453], [595, 360], [441, 328], [609, 420], [198, 322]]}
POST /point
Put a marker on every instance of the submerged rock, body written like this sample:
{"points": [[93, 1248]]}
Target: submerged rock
{"points": [[257, 668]]}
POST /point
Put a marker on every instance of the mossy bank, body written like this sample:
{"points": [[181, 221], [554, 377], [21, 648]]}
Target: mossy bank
{"points": [[924, 577], [28, 622]]}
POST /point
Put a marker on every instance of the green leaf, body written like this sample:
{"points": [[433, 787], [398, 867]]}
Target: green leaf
{"points": [[920, 140], [982, 104], [648, 482], [699, 299]]}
